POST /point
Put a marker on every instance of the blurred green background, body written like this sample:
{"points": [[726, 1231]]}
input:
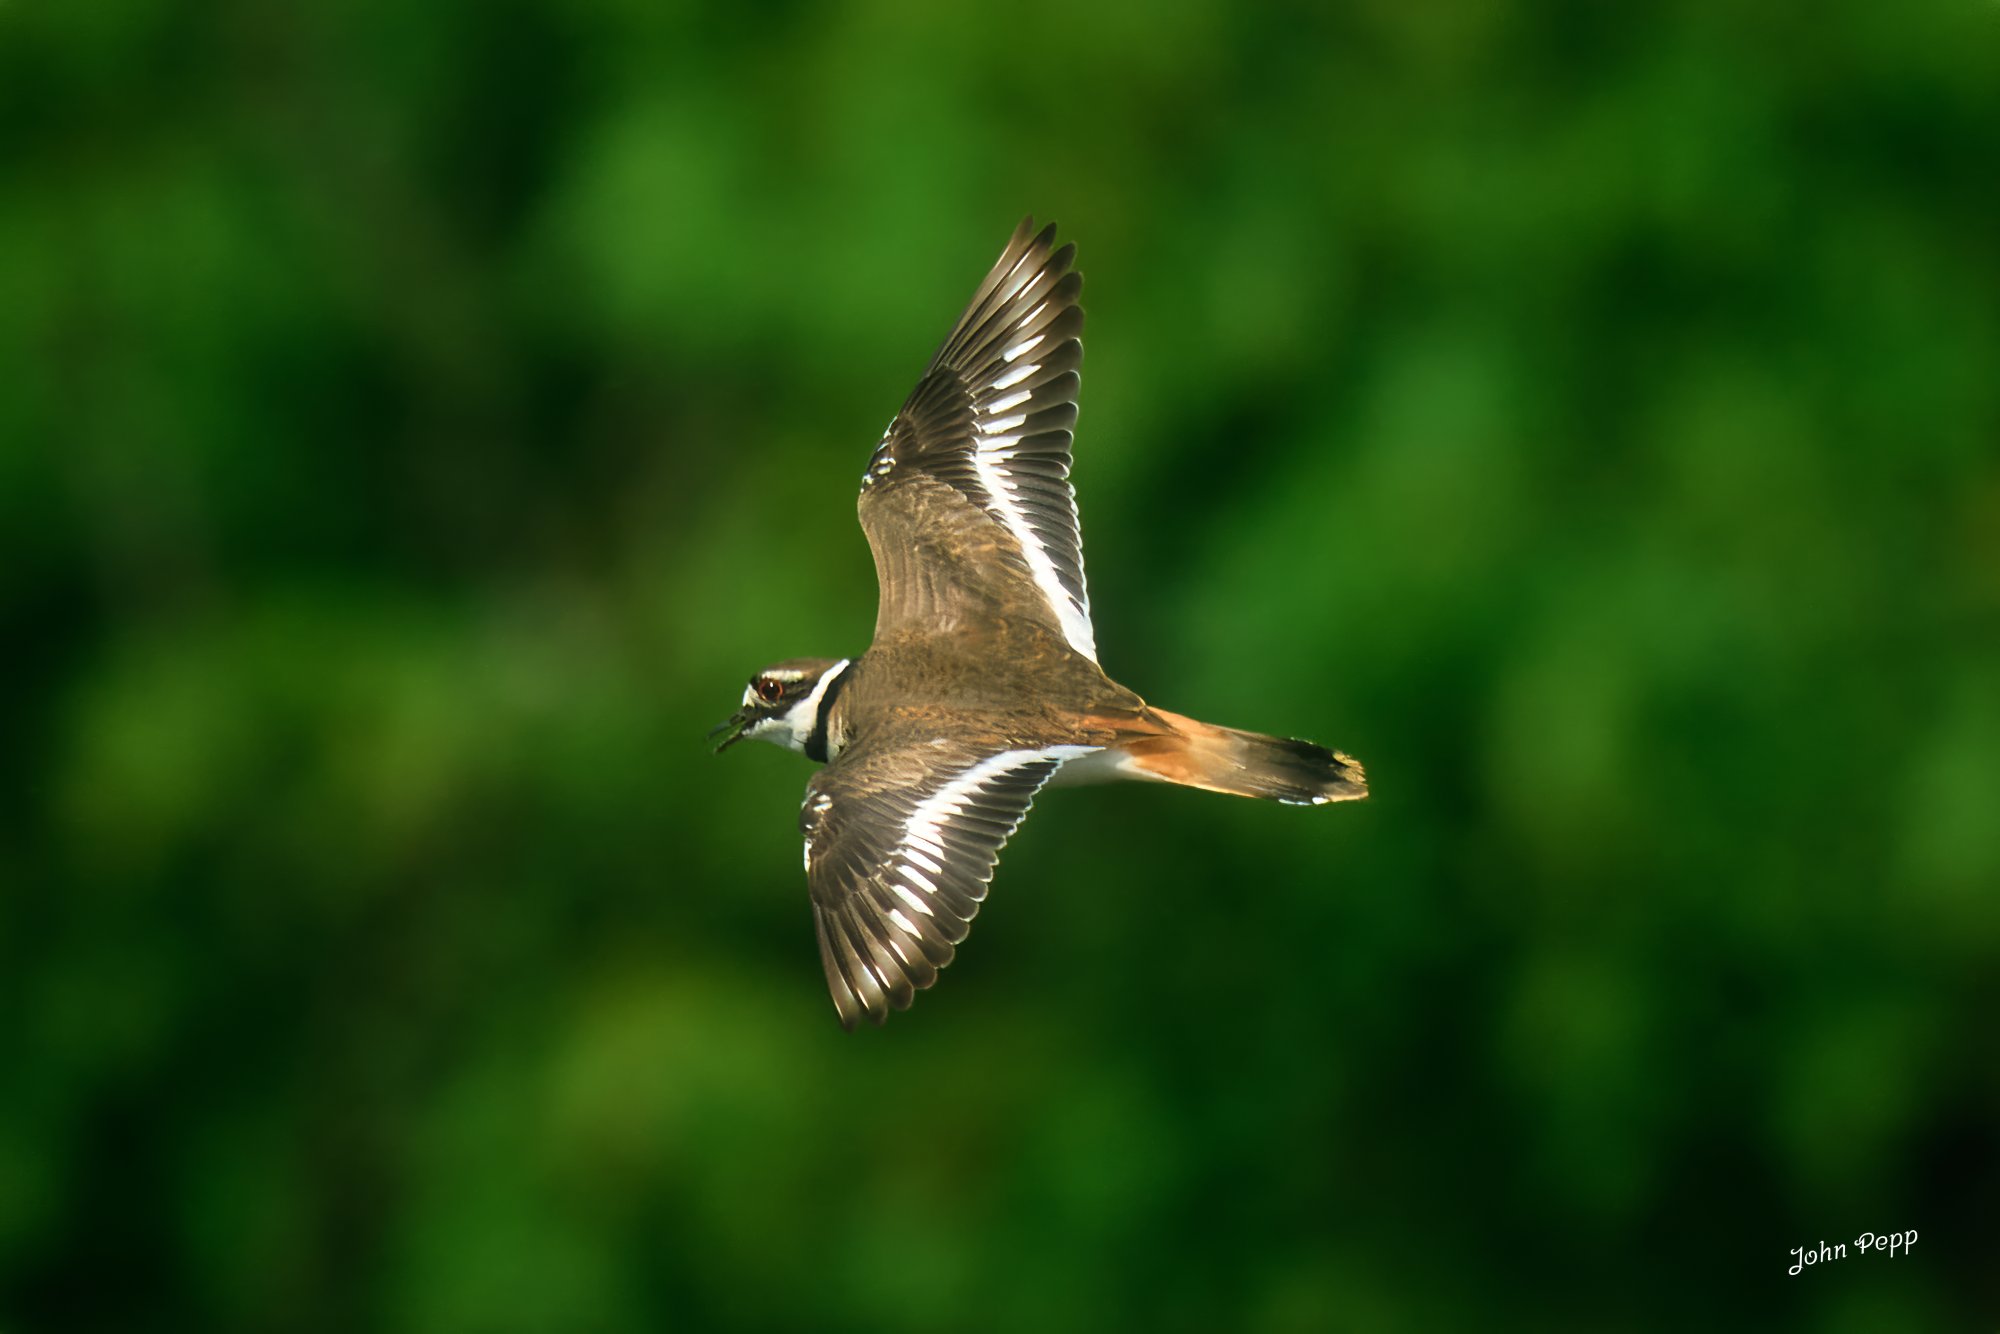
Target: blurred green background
{"points": [[418, 419]]}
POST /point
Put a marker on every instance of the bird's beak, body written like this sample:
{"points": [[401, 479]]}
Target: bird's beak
{"points": [[734, 727]]}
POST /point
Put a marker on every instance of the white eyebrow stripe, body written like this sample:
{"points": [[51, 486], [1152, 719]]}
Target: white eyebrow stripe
{"points": [[799, 720]]}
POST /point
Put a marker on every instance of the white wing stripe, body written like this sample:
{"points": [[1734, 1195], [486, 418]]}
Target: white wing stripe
{"points": [[993, 448], [1015, 376], [926, 823]]}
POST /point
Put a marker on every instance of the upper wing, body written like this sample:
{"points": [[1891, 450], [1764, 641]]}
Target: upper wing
{"points": [[900, 846], [967, 498]]}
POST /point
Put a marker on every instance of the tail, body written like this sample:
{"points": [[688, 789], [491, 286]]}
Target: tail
{"points": [[1245, 764]]}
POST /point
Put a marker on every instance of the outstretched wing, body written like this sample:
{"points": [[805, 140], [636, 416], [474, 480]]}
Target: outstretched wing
{"points": [[967, 502], [900, 846]]}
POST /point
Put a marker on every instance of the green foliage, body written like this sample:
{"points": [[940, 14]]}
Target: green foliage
{"points": [[418, 420]]}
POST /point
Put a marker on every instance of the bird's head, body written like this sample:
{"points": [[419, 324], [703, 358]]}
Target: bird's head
{"points": [[784, 704]]}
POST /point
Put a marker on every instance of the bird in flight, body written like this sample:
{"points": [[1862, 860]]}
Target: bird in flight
{"points": [[982, 682]]}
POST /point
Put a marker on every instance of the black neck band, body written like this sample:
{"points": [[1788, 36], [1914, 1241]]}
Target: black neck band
{"points": [[816, 743]]}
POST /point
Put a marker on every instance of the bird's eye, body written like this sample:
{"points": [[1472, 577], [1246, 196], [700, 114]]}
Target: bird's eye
{"points": [[767, 689]]}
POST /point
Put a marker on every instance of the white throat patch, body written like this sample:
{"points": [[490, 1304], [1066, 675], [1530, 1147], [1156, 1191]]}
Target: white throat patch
{"points": [[793, 728]]}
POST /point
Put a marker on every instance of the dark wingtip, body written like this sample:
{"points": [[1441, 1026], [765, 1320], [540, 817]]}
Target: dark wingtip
{"points": [[1023, 237], [1028, 237]]}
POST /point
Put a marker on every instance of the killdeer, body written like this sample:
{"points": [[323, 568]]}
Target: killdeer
{"points": [[982, 682]]}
